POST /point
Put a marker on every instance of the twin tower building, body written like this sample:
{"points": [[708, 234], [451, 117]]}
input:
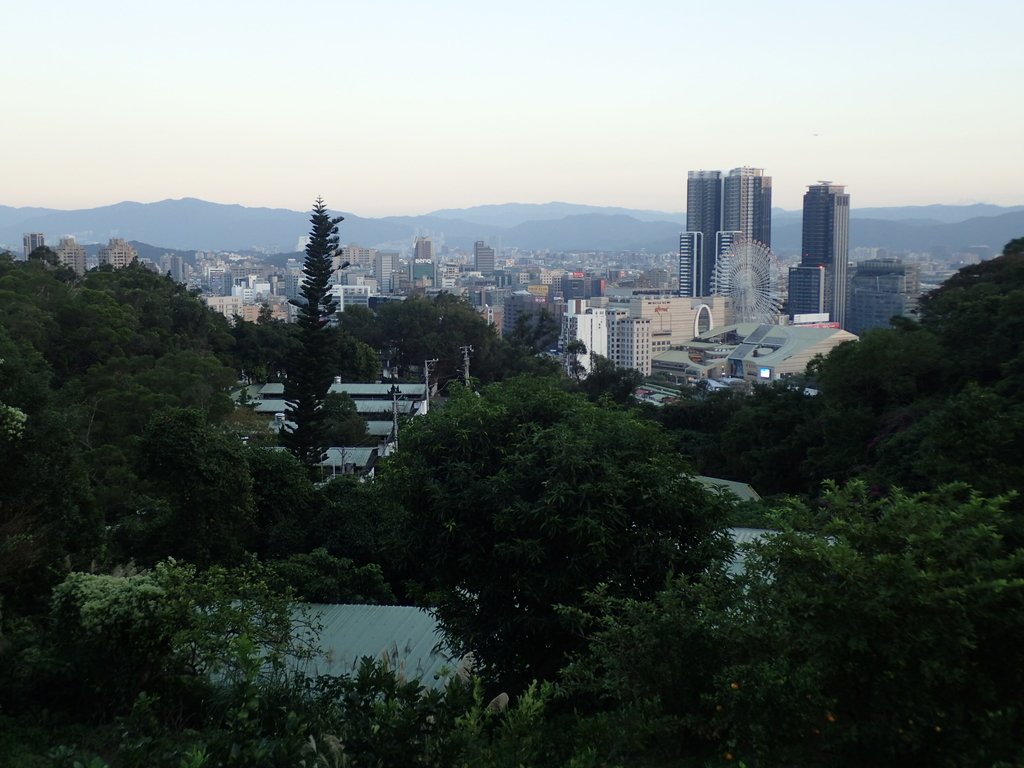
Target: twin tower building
{"points": [[722, 210]]}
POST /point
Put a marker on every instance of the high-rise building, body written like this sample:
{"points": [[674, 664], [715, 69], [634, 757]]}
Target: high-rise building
{"points": [[826, 242], [421, 265], [423, 249], [747, 204], [629, 342], [880, 290], [356, 255], [704, 215], [483, 258], [118, 253], [589, 325], [30, 241], [521, 304], [385, 265], [691, 248], [740, 204], [72, 255]]}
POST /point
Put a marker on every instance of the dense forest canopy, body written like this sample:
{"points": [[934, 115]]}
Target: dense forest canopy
{"points": [[153, 540]]}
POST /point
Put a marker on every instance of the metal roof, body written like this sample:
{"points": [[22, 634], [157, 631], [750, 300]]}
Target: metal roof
{"points": [[340, 456], [741, 537], [381, 390], [742, 491], [407, 638], [379, 428], [275, 390]]}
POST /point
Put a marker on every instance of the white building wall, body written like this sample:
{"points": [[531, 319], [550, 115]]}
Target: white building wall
{"points": [[589, 325], [630, 344]]}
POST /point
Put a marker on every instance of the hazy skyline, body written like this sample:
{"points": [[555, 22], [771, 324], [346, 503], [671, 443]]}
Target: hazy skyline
{"points": [[407, 107]]}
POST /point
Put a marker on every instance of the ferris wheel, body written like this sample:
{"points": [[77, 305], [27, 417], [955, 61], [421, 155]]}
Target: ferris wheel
{"points": [[750, 275]]}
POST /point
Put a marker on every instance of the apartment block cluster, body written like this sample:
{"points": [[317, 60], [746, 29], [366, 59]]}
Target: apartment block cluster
{"points": [[116, 253]]}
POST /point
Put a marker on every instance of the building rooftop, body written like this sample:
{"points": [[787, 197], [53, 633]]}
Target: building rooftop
{"points": [[407, 639]]}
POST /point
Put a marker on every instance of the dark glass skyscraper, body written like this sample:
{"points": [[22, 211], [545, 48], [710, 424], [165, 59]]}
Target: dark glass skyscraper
{"points": [[720, 210], [826, 242], [747, 204], [704, 215]]}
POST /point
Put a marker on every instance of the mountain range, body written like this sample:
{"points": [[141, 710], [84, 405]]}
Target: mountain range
{"points": [[191, 224]]}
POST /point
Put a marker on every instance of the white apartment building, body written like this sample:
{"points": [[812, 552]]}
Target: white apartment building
{"points": [[629, 343], [350, 295], [118, 253], [589, 325], [71, 254], [355, 255]]}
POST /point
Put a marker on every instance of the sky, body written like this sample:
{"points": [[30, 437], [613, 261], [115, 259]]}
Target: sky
{"points": [[400, 107]]}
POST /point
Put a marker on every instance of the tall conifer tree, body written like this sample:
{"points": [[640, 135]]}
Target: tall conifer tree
{"points": [[309, 372]]}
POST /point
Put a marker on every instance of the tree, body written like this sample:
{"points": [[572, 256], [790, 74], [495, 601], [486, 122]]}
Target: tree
{"points": [[605, 379], [888, 637], [526, 497], [573, 350], [343, 425], [309, 371], [161, 630], [200, 492], [869, 630]]}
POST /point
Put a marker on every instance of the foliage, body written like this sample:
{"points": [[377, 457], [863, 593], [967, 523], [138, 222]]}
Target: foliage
{"points": [[640, 684], [42, 522], [119, 635], [525, 498], [766, 441], [284, 502], [980, 310], [885, 638], [322, 578], [309, 367], [200, 491], [879, 632], [605, 379], [358, 521], [343, 426], [436, 328]]}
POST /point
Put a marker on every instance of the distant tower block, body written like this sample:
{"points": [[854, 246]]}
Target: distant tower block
{"points": [[30, 241], [483, 258]]}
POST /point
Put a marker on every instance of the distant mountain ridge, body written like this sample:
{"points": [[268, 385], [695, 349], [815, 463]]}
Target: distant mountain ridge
{"points": [[189, 224]]}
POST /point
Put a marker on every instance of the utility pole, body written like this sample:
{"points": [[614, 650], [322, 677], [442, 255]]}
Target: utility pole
{"points": [[426, 378], [465, 363], [394, 392]]}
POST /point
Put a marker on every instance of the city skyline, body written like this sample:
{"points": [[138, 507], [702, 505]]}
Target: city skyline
{"points": [[407, 108]]}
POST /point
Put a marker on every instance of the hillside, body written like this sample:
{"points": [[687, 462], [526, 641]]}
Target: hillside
{"points": [[190, 224]]}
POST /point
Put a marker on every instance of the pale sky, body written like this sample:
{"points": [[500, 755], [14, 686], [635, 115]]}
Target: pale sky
{"points": [[390, 108]]}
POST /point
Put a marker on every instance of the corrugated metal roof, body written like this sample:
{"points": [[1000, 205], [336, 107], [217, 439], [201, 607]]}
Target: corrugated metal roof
{"points": [[741, 537], [379, 428], [742, 491], [383, 406], [339, 456], [380, 390], [407, 638]]}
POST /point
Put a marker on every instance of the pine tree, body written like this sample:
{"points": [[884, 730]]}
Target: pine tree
{"points": [[309, 372]]}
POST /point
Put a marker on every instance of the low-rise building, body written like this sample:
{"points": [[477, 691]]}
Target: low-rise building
{"points": [[749, 352]]}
